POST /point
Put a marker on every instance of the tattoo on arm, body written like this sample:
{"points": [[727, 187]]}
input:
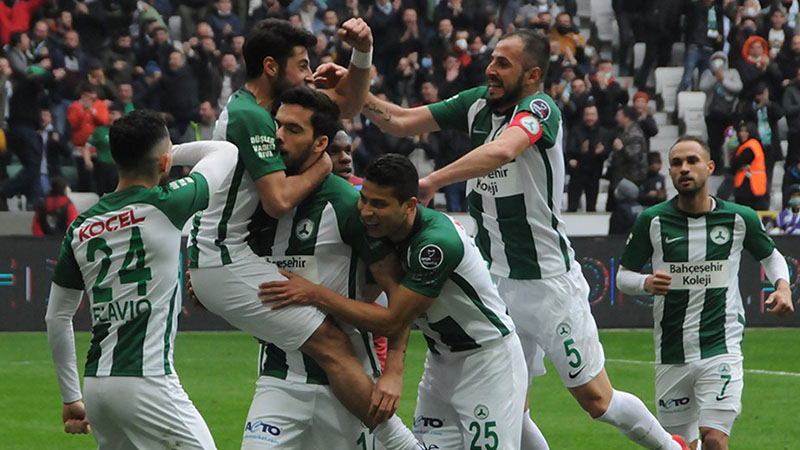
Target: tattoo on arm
{"points": [[375, 109]]}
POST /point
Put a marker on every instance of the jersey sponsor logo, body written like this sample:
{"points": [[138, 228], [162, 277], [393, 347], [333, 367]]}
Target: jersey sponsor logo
{"points": [[304, 229], [433, 422], [303, 265], [701, 275], [263, 146], [540, 108], [177, 184], [431, 256], [262, 431], [500, 182], [673, 402], [114, 223], [720, 235], [481, 412], [119, 311]]}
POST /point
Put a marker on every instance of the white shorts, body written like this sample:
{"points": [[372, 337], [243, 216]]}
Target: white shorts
{"points": [[143, 412], [474, 400], [231, 292], [696, 393], [289, 415], [554, 314]]}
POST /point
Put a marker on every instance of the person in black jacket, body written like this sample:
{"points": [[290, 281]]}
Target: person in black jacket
{"points": [[764, 113], [587, 148], [661, 20], [626, 210], [608, 95], [704, 35], [646, 121], [653, 189], [179, 92], [791, 107]]}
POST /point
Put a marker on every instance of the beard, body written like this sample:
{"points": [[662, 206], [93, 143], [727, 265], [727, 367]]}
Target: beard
{"points": [[295, 161], [689, 190], [510, 95]]}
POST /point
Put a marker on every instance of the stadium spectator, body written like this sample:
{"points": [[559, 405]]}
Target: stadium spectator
{"points": [[55, 150], [224, 22], [628, 153], [641, 103], [791, 176], [6, 90], [232, 78], [791, 107], [789, 219], [451, 79], [179, 92], [15, 17], [776, 32], [203, 129], [480, 56], [191, 13], [579, 97], [626, 209], [653, 189], [125, 97], [722, 85], [749, 167], [19, 52], [704, 34], [157, 48], [103, 168], [119, 61], [70, 57], [587, 149], [460, 13], [84, 115], [105, 89], [443, 41], [385, 18], [765, 113], [661, 19], [755, 68], [608, 95], [630, 16], [55, 212], [414, 33], [568, 35], [89, 20]]}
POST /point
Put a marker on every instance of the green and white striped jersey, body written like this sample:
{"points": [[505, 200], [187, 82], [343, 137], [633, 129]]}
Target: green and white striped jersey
{"points": [[441, 261], [125, 252], [517, 206], [219, 233], [323, 241], [702, 314]]}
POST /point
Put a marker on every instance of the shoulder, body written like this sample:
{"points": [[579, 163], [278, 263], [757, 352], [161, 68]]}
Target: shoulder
{"points": [[437, 240], [747, 213], [541, 106]]}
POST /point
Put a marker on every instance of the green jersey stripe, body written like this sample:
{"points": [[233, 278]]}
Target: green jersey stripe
{"points": [[227, 211], [168, 332], [476, 300], [274, 362], [452, 335], [193, 252], [712, 324], [305, 228], [516, 235], [675, 304], [562, 243], [431, 344], [315, 374], [130, 346], [475, 203], [367, 338], [99, 333]]}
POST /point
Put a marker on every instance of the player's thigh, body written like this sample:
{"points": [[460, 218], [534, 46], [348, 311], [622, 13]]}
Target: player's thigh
{"points": [[566, 329], [490, 396], [517, 296], [676, 404], [155, 413], [333, 426], [436, 423], [719, 391], [280, 415], [232, 292]]}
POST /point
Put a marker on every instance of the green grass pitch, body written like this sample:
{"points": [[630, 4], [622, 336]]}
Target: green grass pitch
{"points": [[218, 371]]}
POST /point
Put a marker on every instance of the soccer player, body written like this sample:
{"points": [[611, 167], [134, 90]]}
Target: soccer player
{"points": [[124, 252], [695, 242], [323, 240], [224, 270], [515, 176], [472, 391]]}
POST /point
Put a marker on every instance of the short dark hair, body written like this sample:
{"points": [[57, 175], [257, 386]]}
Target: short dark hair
{"points": [[535, 46], [653, 157], [397, 172], [133, 140], [325, 117], [696, 139], [15, 38], [629, 112], [86, 87], [276, 38]]}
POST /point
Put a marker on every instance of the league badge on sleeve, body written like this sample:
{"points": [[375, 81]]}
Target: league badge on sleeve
{"points": [[540, 108], [431, 256]]}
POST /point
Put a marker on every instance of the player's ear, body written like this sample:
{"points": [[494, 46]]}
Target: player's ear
{"points": [[321, 143], [534, 75], [410, 204], [271, 67], [711, 167]]}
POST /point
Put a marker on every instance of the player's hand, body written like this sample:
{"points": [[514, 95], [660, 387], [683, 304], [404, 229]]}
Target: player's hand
{"points": [[295, 290], [780, 301], [658, 283], [425, 191], [385, 396], [328, 75], [74, 417], [192, 296], [357, 33]]}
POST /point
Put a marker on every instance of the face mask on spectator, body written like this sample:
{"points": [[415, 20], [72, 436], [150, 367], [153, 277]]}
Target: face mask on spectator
{"points": [[794, 202], [427, 63], [462, 44], [716, 64], [223, 14], [749, 12], [563, 29]]}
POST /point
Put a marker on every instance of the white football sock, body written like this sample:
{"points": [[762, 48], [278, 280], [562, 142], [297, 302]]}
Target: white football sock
{"points": [[532, 437], [394, 435], [634, 420]]}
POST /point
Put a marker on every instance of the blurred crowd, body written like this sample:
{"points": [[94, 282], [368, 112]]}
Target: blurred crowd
{"points": [[69, 68]]}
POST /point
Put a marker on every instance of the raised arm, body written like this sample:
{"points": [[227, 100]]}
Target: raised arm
{"points": [[351, 91], [399, 121]]}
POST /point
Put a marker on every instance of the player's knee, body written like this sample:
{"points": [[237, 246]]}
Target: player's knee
{"points": [[714, 439], [328, 345]]}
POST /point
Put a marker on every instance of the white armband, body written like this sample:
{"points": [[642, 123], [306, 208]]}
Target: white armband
{"points": [[362, 60], [631, 282]]}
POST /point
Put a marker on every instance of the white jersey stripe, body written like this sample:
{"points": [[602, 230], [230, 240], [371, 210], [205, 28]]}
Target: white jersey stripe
{"points": [[733, 304], [691, 321], [658, 304]]}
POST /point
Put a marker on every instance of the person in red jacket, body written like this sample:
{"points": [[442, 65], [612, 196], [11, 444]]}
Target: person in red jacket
{"points": [[55, 212], [16, 18], [84, 115]]}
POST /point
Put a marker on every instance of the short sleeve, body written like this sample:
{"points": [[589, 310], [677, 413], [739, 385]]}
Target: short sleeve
{"points": [[545, 111], [430, 265], [184, 197], [528, 124], [253, 133], [639, 248], [67, 273], [756, 239], [452, 113]]}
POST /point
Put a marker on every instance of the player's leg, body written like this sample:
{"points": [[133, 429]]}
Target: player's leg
{"points": [[333, 426], [719, 393], [490, 386], [436, 423], [155, 413], [280, 415], [516, 296], [106, 430]]}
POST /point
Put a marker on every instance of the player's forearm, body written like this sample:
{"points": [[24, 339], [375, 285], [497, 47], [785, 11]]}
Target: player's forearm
{"points": [[352, 91], [631, 282], [385, 115], [294, 189], [61, 308], [363, 315], [776, 268], [476, 163], [396, 352], [191, 153]]}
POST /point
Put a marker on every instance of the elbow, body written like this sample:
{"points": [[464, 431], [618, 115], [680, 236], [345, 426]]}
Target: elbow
{"points": [[276, 208]]}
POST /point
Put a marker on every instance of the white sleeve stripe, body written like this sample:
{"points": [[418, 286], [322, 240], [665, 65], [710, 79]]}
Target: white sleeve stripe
{"points": [[61, 308]]}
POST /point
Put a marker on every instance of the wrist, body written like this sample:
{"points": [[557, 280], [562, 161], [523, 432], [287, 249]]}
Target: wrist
{"points": [[361, 59]]}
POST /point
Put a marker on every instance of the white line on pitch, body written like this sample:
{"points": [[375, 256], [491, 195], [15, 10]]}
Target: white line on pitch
{"points": [[759, 371]]}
